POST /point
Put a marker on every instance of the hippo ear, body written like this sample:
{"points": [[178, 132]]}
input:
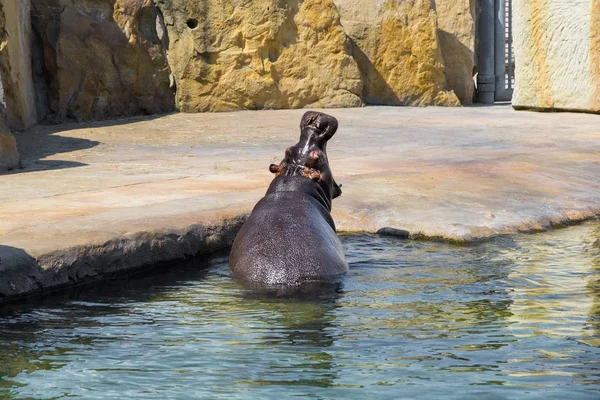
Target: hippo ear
{"points": [[274, 168], [337, 190]]}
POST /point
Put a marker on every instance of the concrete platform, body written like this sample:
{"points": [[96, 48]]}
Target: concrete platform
{"points": [[93, 199]]}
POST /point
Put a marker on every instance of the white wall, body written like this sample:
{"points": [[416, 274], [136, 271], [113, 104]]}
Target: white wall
{"points": [[557, 54]]}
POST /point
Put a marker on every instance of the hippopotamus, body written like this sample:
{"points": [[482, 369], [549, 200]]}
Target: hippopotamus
{"points": [[289, 239]]}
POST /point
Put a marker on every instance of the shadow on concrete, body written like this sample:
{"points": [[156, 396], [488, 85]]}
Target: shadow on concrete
{"points": [[47, 140], [91, 124], [34, 146]]}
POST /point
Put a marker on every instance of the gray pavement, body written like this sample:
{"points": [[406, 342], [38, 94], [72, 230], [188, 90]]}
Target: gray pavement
{"points": [[102, 197]]}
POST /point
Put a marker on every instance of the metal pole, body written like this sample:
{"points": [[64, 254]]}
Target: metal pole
{"points": [[499, 49], [486, 79], [511, 66]]}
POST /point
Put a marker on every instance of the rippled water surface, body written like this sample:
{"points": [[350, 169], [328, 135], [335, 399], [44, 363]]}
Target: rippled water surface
{"points": [[515, 318]]}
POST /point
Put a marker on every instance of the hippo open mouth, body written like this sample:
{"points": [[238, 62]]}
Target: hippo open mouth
{"points": [[289, 239], [308, 157]]}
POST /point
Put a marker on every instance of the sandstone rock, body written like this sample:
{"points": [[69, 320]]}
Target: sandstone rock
{"points": [[9, 157], [456, 33], [557, 54], [99, 59], [15, 63], [256, 54], [398, 52]]}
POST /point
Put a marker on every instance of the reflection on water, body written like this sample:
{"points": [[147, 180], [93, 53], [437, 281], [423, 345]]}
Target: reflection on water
{"points": [[515, 318]]}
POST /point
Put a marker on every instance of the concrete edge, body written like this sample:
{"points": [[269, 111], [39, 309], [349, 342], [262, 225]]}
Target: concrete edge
{"points": [[554, 109], [24, 275], [538, 226]]}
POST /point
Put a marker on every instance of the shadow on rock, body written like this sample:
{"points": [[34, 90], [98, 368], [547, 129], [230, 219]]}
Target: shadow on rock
{"points": [[94, 60], [458, 60], [376, 90]]}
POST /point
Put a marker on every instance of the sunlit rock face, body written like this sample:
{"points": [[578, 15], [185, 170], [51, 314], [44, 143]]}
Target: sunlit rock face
{"points": [[557, 54], [396, 45], [240, 54], [98, 59]]}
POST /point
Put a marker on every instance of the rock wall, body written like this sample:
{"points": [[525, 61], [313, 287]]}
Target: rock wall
{"points": [[9, 157], [557, 54], [99, 59], [240, 54], [395, 43], [15, 63]]}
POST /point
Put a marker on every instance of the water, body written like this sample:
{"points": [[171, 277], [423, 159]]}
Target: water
{"points": [[515, 318]]}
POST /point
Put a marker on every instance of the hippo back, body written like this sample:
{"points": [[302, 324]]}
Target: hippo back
{"points": [[289, 239]]}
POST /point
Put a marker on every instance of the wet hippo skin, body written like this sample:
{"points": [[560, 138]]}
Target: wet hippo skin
{"points": [[289, 239]]}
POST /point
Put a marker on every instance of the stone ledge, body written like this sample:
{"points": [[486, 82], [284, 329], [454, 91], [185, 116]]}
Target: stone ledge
{"points": [[23, 274], [525, 107]]}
